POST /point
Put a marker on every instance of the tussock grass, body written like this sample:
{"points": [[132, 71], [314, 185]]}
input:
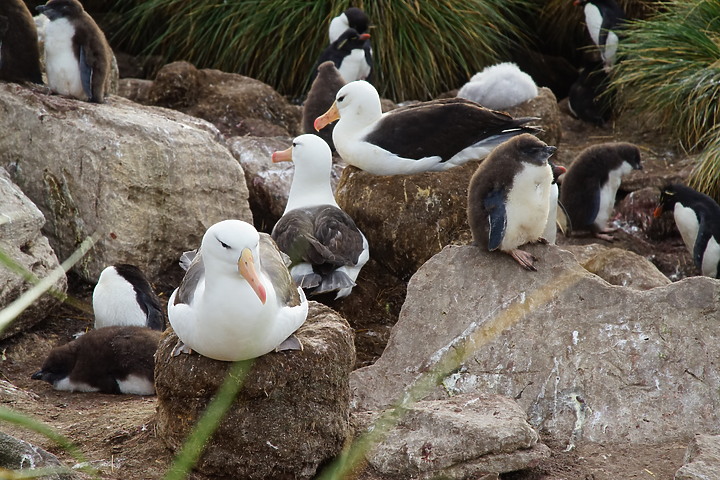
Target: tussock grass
{"points": [[420, 48]]}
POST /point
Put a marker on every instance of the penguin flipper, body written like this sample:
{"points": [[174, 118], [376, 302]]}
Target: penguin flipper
{"points": [[86, 74], [701, 242], [494, 203]]}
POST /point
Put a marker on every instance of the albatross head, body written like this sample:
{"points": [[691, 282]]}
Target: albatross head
{"points": [[233, 246], [356, 100]]}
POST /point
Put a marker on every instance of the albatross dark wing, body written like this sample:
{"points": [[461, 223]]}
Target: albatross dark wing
{"points": [[272, 263]]}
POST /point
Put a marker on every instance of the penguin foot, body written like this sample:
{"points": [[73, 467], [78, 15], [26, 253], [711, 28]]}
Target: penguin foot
{"points": [[604, 236], [290, 343], [179, 348], [525, 259]]}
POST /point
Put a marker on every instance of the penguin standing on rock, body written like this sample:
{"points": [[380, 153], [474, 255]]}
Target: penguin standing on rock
{"points": [[697, 217], [509, 197], [123, 296], [592, 180], [78, 59], [19, 51], [107, 360]]}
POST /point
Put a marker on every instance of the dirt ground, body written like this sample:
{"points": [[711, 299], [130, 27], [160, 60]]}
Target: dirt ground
{"points": [[117, 435]]}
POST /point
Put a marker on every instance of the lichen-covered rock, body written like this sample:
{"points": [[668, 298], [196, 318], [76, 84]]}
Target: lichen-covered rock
{"points": [[291, 415], [407, 218], [148, 181], [22, 241], [618, 267], [545, 107], [235, 104], [462, 437], [587, 361]]}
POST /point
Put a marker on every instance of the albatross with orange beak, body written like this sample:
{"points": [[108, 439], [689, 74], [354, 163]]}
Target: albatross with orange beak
{"points": [[237, 300]]}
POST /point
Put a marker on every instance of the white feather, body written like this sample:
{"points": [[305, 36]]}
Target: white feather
{"points": [[61, 65], [115, 302], [607, 195], [550, 232], [354, 66], [67, 385], [527, 206], [136, 385], [500, 87]]}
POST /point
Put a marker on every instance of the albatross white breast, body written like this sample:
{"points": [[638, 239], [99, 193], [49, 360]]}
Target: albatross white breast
{"points": [[326, 248], [428, 136], [237, 300]]}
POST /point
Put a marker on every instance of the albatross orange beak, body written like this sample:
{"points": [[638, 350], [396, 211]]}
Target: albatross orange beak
{"points": [[327, 118], [246, 267], [283, 156]]}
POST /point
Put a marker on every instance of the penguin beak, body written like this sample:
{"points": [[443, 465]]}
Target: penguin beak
{"points": [[283, 156], [658, 211], [246, 268], [327, 118], [37, 375], [364, 36]]}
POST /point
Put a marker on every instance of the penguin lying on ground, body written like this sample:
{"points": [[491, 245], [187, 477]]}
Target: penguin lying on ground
{"points": [[592, 180], [509, 197], [78, 58], [123, 296], [326, 248], [697, 217], [19, 51], [107, 360]]}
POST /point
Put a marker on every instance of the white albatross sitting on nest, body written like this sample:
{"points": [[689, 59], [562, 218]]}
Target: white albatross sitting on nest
{"points": [[326, 248], [237, 300], [427, 136]]}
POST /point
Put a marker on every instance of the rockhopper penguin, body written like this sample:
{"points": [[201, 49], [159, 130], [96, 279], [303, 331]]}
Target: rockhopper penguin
{"points": [[509, 197]]}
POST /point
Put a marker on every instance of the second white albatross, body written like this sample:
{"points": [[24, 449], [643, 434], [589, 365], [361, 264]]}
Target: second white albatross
{"points": [[237, 300]]}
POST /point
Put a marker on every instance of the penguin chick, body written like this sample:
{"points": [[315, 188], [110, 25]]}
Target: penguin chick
{"points": [[78, 58], [119, 360], [19, 51], [697, 217], [591, 183], [509, 197], [321, 97], [123, 296], [352, 55], [500, 87]]}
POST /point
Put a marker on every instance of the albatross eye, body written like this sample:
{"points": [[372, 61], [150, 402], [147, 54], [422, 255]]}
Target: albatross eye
{"points": [[340, 99], [225, 245]]}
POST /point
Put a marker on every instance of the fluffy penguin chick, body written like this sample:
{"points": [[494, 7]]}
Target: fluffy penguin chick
{"points": [[108, 360], [592, 180], [500, 87], [78, 58], [19, 51], [509, 197], [123, 296], [697, 217]]}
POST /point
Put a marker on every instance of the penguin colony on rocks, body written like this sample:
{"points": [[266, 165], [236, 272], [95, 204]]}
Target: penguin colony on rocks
{"points": [[244, 292]]}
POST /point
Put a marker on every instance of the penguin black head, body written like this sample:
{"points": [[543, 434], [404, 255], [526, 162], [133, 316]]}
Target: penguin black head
{"points": [[350, 40], [55, 9], [357, 19], [58, 364], [668, 198], [530, 149]]}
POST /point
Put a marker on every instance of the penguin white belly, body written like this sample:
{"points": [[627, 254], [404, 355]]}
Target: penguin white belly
{"points": [[354, 67], [136, 385], [61, 65], [607, 195], [688, 225], [593, 20], [550, 232], [115, 303], [527, 206], [67, 385], [711, 258]]}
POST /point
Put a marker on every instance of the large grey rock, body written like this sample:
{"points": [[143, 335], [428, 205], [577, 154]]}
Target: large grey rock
{"points": [[16, 454], [291, 415], [618, 267], [268, 183], [407, 218], [463, 437], [702, 459], [149, 181], [22, 241], [586, 360], [235, 104], [545, 107]]}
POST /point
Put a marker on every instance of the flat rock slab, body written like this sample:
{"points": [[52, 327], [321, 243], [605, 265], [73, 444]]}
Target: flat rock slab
{"points": [[702, 459], [460, 438], [291, 415], [586, 360]]}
